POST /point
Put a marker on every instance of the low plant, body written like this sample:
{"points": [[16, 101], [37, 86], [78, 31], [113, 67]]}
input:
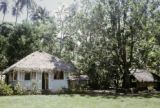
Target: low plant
{"points": [[5, 90], [18, 90], [34, 90]]}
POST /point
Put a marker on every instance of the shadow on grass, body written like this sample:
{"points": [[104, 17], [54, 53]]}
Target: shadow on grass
{"points": [[103, 94], [115, 96]]}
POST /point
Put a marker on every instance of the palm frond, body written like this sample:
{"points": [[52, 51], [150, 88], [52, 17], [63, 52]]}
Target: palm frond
{"points": [[4, 6], [25, 3], [15, 11]]}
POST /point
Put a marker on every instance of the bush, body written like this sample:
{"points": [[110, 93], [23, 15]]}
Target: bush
{"points": [[18, 90], [35, 90], [5, 90]]}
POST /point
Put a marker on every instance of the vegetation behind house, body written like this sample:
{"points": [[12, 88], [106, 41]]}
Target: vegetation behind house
{"points": [[104, 38]]}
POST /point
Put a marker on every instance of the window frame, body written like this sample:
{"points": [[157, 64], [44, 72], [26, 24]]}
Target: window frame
{"points": [[58, 75], [32, 75], [13, 76], [25, 78]]}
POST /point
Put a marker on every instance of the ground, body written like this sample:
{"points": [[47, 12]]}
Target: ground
{"points": [[79, 101]]}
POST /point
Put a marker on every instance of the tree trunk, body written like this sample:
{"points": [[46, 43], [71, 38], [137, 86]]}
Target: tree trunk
{"points": [[62, 37], [0, 75], [3, 17], [17, 11], [16, 19], [126, 78], [27, 11]]}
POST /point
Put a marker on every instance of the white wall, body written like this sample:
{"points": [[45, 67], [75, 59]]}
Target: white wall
{"points": [[28, 84], [53, 85], [56, 85]]}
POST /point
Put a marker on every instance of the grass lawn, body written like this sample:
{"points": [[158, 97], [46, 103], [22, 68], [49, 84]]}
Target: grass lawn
{"points": [[79, 101]]}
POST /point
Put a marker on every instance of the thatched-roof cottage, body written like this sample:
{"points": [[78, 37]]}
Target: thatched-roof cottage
{"points": [[143, 79], [75, 81], [41, 69]]}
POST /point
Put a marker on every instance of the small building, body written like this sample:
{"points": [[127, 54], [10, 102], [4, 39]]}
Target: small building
{"points": [[76, 81], [142, 79], [45, 71]]}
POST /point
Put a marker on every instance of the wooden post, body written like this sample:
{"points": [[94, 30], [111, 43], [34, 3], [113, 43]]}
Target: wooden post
{"points": [[1, 75]]}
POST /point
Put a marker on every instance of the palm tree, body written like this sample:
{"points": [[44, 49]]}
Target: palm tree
{"points": [[29, 4], [40, 14], [4, 8], [16, 13]]}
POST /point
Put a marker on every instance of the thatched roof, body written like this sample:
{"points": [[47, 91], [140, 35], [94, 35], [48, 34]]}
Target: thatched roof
{"points": [[81, 77], [143, 75], [41, 62]]}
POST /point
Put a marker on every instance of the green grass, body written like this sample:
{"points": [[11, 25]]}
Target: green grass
{"points": [[78, 101]]}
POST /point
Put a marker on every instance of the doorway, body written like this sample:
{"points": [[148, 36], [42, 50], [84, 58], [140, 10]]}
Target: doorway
{"points": [[44, 81]]}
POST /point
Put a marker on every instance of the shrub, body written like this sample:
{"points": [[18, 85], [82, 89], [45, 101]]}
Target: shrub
{"points": [[35, 90], [18, 90], [5, 89]]}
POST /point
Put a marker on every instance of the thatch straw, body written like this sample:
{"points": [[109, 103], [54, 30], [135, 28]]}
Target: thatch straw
{"points": [[80, 77], [145, 76], [40, 62]]}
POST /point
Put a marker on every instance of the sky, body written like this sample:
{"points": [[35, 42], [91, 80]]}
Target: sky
{"points": [[50, 5]]}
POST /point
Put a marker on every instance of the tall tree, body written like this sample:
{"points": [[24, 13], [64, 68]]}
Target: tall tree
{"points": [[4, 8], [6, 31], [112, 36], [61, 14], [16, 12], [40, 15], [29, 4]]}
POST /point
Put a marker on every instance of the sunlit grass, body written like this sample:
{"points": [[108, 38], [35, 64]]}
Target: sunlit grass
{"points": [[78, 101]]}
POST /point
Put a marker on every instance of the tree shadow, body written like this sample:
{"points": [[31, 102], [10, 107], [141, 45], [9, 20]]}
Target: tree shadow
{"points": [[115, 96]]}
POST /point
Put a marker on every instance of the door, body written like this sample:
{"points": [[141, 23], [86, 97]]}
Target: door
{"points": [[44, 81], [7, 79]]}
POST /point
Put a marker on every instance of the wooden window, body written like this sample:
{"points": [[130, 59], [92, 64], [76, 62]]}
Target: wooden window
{"points": [[11, 76], [58, 75], [34, 75], [14, 75], [27, 76]]}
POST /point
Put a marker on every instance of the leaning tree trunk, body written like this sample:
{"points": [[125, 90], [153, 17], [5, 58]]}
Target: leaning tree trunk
{"points": [[17, 11], [27, 11], [3, 18], [16, 19]]}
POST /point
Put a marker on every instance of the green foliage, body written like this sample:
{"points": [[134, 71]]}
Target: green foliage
{"points": [[104, 38], [40, 15], [3, 46], [35, 90], [18, 41], [5, 90], [113, 37], [22, 42], [18, 90]]}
